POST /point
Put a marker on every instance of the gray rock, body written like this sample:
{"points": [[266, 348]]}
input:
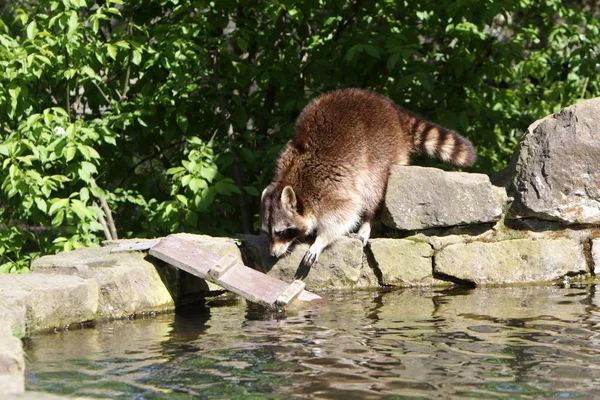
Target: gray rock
{"points": [[341, 265], [12, 364], [554, 172], [48, 301], [511, 261], [403, 262], [129, 283], [423, 198]]}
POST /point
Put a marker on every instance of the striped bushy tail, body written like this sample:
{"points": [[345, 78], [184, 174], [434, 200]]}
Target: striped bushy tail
{"points": [[441, 143]]}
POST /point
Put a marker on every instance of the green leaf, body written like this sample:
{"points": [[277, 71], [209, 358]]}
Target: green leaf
{"points": [[41, 204], [182, 121], [196, 184], [353, 51], [242, 44], [182, 199], [136, 57], [58, 218], [69, 153], [57, 205], [112, 51], [73, 23], [252, 191], [79, 208], [31, 30], [392, 61], [226, 188], [372, 50], [87, 70]]}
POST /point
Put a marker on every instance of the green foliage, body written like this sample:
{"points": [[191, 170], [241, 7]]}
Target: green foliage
{"points": [[171, 112]]}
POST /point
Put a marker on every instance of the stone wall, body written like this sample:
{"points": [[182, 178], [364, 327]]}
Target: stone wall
{"points": [[536, 221]]}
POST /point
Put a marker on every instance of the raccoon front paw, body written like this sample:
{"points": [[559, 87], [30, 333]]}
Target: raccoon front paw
{"points": [[310, 258]]}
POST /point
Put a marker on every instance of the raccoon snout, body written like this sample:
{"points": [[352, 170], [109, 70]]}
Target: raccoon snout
{"points": [[279, 249]]}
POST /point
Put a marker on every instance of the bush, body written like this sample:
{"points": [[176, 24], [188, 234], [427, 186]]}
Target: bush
{"points": [[168, 114]]}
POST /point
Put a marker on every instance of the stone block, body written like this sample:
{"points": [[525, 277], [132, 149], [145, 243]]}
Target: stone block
{"points": [[424, 198], [47, 301], [403, 262], [129, 282], [341, 265], [511, 261]]}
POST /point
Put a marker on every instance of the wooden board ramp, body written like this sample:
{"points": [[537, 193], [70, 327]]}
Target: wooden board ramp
{"points": [[227, 272]]}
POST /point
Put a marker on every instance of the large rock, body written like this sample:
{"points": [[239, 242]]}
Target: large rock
{"points": [[48, 301], [403, 262], [423, 198], [129, 283], [554, 172], [511, 261], [341, 265]]}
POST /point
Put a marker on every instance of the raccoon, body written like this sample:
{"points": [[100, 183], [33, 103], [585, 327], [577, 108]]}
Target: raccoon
{"points": [[332, 177]]}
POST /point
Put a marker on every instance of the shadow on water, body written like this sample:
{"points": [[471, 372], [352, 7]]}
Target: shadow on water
{"points": [[519, 342]]}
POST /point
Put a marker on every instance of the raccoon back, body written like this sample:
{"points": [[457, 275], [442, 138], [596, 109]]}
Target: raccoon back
{"points": [[346, 141]]}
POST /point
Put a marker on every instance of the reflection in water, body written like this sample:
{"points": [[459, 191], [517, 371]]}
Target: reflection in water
{"points": [[525, 342]]}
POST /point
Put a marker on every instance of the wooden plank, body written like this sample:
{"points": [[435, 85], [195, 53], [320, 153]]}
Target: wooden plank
{"points": [[185, 255], [225, 271], [290, 293], [224, 264], [253, 285]]}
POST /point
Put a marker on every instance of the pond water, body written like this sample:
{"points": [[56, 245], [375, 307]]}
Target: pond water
{"points": [[519, 342]]}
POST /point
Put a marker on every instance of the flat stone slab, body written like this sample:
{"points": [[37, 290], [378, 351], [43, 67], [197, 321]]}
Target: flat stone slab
{"points": [[511, 261], [554, 172], [424, 198], [403, 262], [341, 265], [48, 301], [129, 283]]}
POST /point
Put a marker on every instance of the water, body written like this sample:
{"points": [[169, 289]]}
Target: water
{"points": [[525, 342]]}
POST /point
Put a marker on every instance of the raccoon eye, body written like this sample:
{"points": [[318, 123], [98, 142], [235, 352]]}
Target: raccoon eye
{"points": [[290, 232]]}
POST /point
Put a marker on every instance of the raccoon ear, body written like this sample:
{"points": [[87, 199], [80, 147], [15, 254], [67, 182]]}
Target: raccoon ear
{"points": [[288, 197], [264, 193], [265, 200]]}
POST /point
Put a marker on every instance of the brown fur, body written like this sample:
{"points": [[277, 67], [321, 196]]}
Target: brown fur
{"points": [[334, 172]]}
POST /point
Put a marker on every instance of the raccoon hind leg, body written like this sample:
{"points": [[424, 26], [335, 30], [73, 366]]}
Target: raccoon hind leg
{"points": [[364, 232]]}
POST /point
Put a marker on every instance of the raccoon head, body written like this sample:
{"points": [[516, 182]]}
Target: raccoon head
{"points": [[282, 218]]}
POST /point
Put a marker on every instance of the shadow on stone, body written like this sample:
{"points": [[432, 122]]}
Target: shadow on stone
{"points": [[372, 263], [537, 225], [462, 283], [470, 230]]}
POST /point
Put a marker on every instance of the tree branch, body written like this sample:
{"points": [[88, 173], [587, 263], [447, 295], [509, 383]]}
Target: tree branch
{"points": [[346, 21], [128, 72], [102, 92], [102, 221], [109, 218]]}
